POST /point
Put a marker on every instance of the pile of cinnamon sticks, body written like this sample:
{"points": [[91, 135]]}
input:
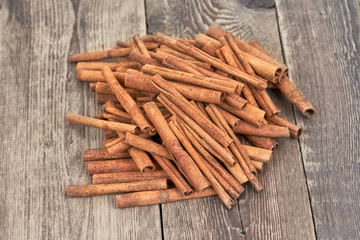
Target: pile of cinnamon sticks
{"points": [[173, 110]]}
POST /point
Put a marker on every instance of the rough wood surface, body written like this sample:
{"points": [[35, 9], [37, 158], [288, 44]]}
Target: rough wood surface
{"points": [[321, 44], [282, 211], [40, 153]]}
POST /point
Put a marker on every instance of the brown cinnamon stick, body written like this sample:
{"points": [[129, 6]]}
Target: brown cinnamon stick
{"points": [[157, 197], [127, 177], [102, 154], [93, 122], [296, 97], [142, 46], [112, 166], [267, 130], [101, 189], [258, 154], [147, 145], [295, 131], [112, 65], [93, 56]]}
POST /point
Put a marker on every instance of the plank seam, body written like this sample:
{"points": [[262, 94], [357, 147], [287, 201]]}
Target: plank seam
{"points": [[298, 140]]}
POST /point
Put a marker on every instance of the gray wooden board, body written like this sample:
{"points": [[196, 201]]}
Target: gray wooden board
{"points": [[321, 44], [40, 153], [282, 210]]}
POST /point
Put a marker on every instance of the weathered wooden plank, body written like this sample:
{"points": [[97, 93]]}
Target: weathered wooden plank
{"points": [[321, 45], [40, 153], [282, 211]]}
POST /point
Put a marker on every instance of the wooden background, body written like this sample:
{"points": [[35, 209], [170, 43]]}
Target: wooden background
{"points": [[311, 186]]}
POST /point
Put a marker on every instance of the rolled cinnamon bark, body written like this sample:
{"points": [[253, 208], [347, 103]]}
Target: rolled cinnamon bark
{"points": [[267, 130], [112, 65], [147, 145], [223, 195], [193, 125], [93, 56], [174, 175], [141, 159], [190, 110], [262, 142], [212, 83], [249, 113], [112, 166], [93, 122], [127, 177], [269, 71], [114, 118], [117, 147], [101, 189], [295, 131], [102, 154], [138, 80], [186, 163], [156, 197], [126, 101], [296, 97], [258, 154], [96, 76]]}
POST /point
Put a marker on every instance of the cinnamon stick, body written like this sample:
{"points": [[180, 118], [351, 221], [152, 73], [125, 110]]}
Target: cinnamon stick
{"points": [[101, 189], [258, 154], [267, 130], [93, 56], [112, 166], [93, 122], [112, 65], [295, 131], [102, 154], [157, 197], [147, 145], [96, 76], [141, 159], [296, 97], [142, 46], [127, 177]]}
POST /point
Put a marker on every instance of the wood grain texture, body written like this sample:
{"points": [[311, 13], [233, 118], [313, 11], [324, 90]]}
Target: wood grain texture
{"points": [[39, 152], [321, 45], [282, 211]]}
